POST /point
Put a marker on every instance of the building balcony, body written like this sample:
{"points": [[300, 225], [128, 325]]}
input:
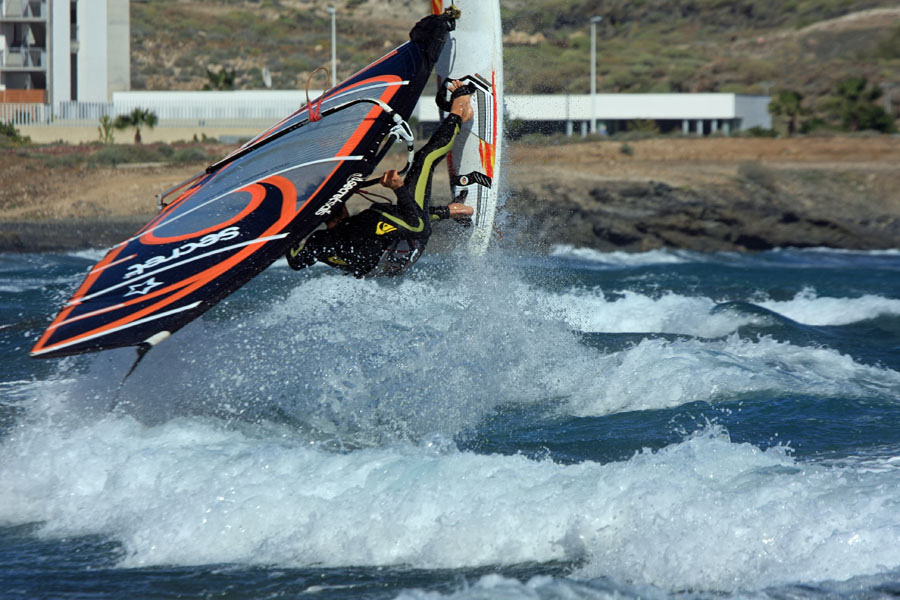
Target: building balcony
{"points": [[23, 10], [21, 58], [9, 96]]}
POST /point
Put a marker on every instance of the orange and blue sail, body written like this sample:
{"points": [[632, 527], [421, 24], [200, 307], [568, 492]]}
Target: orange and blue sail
{"points": [[240, 216]]}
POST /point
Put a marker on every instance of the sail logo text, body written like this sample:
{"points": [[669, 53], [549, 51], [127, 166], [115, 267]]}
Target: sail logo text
{"points": [[207, 240], [352, 182]]}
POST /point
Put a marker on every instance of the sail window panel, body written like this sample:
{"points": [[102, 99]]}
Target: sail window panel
{"points": [[203, 214], [322, 141]]}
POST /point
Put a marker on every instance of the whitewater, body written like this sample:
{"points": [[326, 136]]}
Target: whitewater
{"points": [[577, 425]]}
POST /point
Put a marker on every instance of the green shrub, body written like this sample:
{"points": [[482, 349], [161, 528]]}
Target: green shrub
{"points": [[889, 48], [113, 155], [65, 160], [815, 124], [10, 136], [191, 154], [760, 132]]}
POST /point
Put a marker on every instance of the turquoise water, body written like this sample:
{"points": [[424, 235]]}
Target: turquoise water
{"points": [[579, 425]]}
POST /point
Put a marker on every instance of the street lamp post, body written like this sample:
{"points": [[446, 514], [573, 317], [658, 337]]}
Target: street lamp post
{"points": [[888, 90], [594, 21], [332, 10]]}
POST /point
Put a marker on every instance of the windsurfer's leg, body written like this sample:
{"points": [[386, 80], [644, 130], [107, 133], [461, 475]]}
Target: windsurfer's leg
{"points": [[418, 179], [414, 197]]}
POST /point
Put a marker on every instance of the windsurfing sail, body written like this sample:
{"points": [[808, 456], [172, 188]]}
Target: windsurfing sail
{"points": [[238, 217]]}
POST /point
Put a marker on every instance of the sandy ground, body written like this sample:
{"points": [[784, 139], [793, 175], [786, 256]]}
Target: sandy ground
{"points": [[698, 162]]}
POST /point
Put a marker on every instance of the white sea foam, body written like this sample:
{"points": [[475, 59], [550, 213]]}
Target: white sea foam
{"points": [[223, 446], [91, 254], [498, 587], [842, 251], [811, 309], [405, 341], [658, 373], [596, 310], [193, 491], [592, 310], [356, 358], [627, 259]]}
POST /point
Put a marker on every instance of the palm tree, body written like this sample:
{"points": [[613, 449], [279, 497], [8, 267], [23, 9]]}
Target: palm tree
{"points": [[223, 80], [106, 129], [788, 104], [856, 101], [139, 117]]}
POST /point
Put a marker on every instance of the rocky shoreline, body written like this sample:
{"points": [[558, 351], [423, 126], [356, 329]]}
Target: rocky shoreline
{"points": [[60, 235], [709, 195], [641, 216]]}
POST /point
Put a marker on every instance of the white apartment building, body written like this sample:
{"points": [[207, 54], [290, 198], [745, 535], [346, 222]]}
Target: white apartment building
{"points": [[54, 51]]}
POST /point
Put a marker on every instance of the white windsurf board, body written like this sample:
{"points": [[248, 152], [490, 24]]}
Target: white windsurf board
{"points": [[474, 54]]}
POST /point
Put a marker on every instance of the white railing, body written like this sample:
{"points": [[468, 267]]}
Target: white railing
{"points": [[263, 108], [88, 112], [71, 114], [25, 114], [214, 108]]}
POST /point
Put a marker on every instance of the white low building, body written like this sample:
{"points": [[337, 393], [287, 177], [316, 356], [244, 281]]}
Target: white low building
{"points": [[701, 114], [691, 113], [254, 110]]}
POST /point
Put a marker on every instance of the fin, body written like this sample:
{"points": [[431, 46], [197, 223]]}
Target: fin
{"points": [[142, 351]]}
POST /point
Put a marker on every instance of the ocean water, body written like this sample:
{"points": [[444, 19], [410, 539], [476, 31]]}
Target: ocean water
{"points": [[578, 425]]}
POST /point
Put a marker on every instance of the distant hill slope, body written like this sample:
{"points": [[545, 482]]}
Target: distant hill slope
{"points": [[660, 46]]}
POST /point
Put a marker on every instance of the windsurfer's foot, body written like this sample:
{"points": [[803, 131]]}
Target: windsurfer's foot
{"points": [[458, 210], [292, 255], [461, 213]]}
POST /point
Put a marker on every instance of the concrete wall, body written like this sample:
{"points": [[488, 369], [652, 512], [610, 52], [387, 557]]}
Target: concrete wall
{"points": [[621, 106], [104, 51], [118, 30], [92, 52], [3, 47], [60, 80], [754, 111]]}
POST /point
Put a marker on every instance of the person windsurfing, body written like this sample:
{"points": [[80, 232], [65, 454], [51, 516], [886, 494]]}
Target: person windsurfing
{"points": [[386, 239]]}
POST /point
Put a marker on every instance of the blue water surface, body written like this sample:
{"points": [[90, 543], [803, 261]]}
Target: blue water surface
{"points": [[583, 424]]}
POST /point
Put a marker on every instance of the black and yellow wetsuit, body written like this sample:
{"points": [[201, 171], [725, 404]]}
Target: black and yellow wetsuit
{"points": [[356, 244]]}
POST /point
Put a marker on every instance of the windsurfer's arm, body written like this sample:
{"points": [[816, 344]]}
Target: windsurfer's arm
{"points": [[406, 205]]}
